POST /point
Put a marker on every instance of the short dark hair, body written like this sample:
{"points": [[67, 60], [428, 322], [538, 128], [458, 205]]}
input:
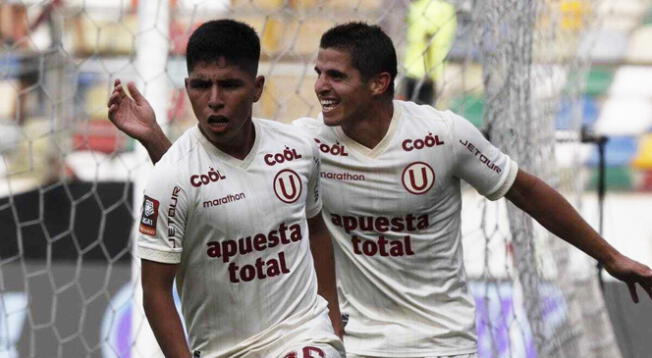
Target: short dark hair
{"points": [[371, 50], [235, 41]]}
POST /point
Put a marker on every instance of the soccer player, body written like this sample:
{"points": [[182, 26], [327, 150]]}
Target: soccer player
{"points": [[225, 213], [390, 179]]}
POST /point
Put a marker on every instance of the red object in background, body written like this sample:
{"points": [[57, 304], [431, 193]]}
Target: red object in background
{"points": [[98, 135], [646, 183]]}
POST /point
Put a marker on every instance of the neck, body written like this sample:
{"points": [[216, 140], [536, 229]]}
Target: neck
{"points": [[371, 127], [240, 145]]}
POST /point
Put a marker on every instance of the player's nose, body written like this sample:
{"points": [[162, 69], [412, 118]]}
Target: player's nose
{"points": [[321, 86], [215, 99]]}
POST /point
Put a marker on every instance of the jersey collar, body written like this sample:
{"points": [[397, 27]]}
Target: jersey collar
{"points": [[224, 157], [382, 145]]}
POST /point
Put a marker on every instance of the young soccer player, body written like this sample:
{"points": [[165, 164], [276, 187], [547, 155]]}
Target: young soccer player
{"points": [[390, 180], [225, 214]]}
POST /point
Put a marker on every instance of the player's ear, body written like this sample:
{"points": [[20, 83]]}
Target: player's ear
{"points": [[259, 84], [379, 84]]}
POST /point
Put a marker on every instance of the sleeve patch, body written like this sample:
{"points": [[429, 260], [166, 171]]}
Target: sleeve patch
{"points": [[149, 217]]}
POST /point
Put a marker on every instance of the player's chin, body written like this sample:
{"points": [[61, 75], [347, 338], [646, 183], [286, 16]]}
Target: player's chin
{"points": [[332, 119]]}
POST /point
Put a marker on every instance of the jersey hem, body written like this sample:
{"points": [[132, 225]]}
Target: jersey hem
{"points": [[151, 254], [419, 354]]}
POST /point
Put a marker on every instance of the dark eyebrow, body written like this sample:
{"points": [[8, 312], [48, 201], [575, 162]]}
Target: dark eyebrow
{"points": [[231, 81], [335, 73]]}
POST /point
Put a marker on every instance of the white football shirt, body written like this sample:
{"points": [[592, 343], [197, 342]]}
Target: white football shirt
{"points": [[238, 230], [394, 213]]}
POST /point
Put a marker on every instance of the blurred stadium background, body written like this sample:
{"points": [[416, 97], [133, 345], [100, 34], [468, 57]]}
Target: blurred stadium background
{"points": [[549, 81]]}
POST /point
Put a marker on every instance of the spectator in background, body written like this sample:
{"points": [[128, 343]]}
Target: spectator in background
{"points": [[430, 33]]}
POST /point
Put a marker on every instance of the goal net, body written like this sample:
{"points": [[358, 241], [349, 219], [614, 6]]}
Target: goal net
{"points": [[68, 180]]}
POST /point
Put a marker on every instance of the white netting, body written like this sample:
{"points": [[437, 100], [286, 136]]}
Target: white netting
{"points": [[67, 177]]}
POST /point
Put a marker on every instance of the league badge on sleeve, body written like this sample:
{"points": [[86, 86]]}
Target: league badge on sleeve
{"points": [[149, 216]]}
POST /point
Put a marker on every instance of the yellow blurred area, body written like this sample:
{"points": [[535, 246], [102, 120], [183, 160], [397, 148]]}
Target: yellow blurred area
{"points": [[643, 158], [431, 26], [574, 14]]}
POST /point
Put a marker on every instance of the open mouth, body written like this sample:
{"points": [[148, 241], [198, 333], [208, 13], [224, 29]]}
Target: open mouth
{"points": [[328, 105], [217, 122]]}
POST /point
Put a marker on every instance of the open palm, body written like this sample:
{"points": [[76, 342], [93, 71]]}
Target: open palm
{"points": [[134, 116]]}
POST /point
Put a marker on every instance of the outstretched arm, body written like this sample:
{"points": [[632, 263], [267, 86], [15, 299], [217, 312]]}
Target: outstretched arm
{"points": [[136, 118], [322, 253], [552, 211]]}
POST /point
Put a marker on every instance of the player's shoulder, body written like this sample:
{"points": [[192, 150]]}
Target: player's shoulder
{"points": [[181, 148], [283, 133], [422, 111], [309, 125], [422, 115], [178, 158]]}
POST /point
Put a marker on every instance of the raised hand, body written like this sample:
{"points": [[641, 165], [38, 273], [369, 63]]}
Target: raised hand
{"points": [[136, 118], [631, 272], [133, 116]]}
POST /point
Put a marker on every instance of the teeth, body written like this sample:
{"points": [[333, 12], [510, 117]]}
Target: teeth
{"points": [[328, 104]]}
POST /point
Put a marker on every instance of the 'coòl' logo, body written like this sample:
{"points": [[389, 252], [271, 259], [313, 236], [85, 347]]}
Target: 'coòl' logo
{"points": [[203, 179], [418, 178], [287, 186]]}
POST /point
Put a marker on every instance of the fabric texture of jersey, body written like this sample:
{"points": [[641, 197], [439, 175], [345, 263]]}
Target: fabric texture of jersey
{"points": [[238, 230], [394, 213]]}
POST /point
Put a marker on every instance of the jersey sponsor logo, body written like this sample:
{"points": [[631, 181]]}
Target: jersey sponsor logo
{"points": [[287, 186], [149, 216], [428, 141], [287, 155], [262, 268], [418, 178], [342, 176], [203, 179], [224, 200], [172, 213], [408, 223], [383, 246], [307, 352], [334, 149], [483, 158]]}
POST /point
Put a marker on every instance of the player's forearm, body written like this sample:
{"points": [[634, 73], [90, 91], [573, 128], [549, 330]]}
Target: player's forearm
{"points": [[156, 145], [165, 322], [322, 253], [553, 212]]}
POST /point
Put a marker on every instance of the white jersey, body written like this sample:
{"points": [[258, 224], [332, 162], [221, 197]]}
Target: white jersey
{"points": [[394, 213], [238, 230]]}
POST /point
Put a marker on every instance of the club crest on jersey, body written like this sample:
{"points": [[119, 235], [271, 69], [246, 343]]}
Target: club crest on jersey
{"points": [[287, 186], [149, 216], [418, 178]]}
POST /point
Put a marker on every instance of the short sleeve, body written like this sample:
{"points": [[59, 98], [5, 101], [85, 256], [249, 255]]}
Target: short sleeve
{"points": [[162, 221], [479, 163], [313, 199]]}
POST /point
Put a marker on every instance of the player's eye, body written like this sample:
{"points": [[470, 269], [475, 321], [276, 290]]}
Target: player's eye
{"points": [[336, 75], [200, 84], [231, 84]]}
